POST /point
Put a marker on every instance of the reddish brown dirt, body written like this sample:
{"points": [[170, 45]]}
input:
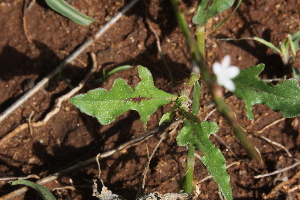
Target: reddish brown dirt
{"points": [[71, 137]]}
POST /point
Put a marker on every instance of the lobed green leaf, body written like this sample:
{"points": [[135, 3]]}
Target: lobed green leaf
{"points": [[197, 134], [283, 97], [105, 105]]}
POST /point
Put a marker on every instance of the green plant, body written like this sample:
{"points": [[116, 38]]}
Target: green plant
{"points": [[145, 99]]}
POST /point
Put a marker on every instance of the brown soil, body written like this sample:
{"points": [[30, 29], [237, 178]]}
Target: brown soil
{"points": [[71, 137]]}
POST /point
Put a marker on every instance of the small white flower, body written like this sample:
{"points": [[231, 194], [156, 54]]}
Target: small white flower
{"points": [[225, 73]]}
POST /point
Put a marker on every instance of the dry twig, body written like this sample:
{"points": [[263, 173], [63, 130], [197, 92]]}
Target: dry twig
{"points": [[276, 144], [271, 141], [209, 114], [19, 178], [105, 192], [144, 175], [267, 139], [29, 123], [269, 125], [25, 24]]}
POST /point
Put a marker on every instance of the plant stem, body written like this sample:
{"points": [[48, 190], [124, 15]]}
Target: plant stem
{"points": [[201, 40], [237, 129], [189, 177], [189, 84], [196, 98], [191, 149]]}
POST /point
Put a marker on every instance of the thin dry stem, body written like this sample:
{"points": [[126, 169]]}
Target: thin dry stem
{"points": [[99, 168], [66, 188], [209, 114], [220, 193], [278, 171], [271, 141], [19, 178], [163, 136], [269, 125], [277, 144], [29, 123], [224, 143], [31, 4], [25, 24]]}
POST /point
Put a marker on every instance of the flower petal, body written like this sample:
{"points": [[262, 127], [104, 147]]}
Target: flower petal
{"points": [[217, 68], [233, 71], [226, 62], [229, 85], [221, 80]]}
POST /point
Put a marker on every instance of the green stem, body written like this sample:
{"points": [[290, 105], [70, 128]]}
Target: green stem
{"points": [[197, 56], [237, 129], [201, 40], [190, 170], [185, 93], [189, 85], [196, 98], [189, 186]]}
